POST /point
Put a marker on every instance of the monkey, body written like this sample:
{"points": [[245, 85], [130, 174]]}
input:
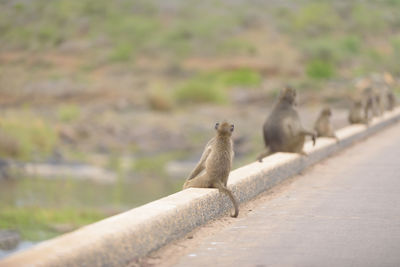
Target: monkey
{"points": [[282, 130], [377, 107], [388, 95], [323, 125], [356, 113], [391, 100], [217, 160], [368, 102]]}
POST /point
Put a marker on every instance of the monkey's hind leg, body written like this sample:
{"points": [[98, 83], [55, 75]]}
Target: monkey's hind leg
{"points": [[200, 181], [226, 191], [201, 164], [264, 154]]}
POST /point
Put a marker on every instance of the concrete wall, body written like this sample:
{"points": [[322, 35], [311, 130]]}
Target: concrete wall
{"points": [[123, 238]]}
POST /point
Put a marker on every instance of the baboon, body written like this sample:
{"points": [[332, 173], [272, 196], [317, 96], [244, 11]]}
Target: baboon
{"points": [[323, 125], [389, 94], [377, 107], [282, 130], [217, 161], [391, 100], [356, 113], [368, 102]]}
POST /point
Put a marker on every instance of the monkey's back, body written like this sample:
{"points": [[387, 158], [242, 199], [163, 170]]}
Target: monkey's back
{"points": [[355, 115], [282, 129], [323, 126], [219, 162]]}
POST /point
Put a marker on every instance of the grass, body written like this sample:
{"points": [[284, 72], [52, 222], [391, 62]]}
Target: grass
{"points": [[122, 52], [200, 91], [315, 18], [236, 46], [32, 136], [240, 77], [68, 113], [212, 87], [318, 69]]}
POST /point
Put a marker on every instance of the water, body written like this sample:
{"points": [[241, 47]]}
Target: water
{"points": [[24, 245], [41, 208]]}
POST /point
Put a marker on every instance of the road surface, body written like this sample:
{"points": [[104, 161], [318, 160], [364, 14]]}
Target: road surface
{"points": [[344, 211]]}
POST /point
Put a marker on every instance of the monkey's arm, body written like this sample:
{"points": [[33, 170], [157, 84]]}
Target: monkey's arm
{"points": [[201, 165]]}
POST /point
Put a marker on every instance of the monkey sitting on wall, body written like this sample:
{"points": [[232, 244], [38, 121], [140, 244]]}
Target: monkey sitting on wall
{"points": [[356, 113], [323, 125], [371, 103], [389, 94], [282, 130], [391, 99], [217, 161]]}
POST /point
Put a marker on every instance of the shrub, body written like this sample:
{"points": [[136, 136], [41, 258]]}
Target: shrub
{"points": [[198, 91], [31, 135], [351, 44], [240, 77], [318, 69], [330, 49]]}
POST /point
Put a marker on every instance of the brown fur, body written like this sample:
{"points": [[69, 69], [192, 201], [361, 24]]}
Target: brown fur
{"points": [[217, 162], [391, 100], [356, 113], [371, 101], [282, 130], [323, 125]]}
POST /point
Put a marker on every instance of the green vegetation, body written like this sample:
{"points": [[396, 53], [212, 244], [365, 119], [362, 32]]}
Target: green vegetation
{"points": [[200, 91], [68, 113], [239, 77], [236, 46], [315, 18], [334, 50], [212, 86], [122, 52], [24, 136], [130, 27], [318, 69]]}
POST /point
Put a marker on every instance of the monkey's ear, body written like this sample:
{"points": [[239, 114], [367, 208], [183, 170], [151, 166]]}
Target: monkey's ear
{"points": [[232, 127], [216, 126]]}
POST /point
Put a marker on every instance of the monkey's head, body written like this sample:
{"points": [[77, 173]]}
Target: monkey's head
{"points": [[326, 112], [288, 94], [224, 128]]}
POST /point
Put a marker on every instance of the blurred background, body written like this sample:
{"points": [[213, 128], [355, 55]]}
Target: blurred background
{"points": [[107, 105]]}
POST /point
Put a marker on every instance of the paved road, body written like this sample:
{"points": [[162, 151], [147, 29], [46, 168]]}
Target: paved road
{"points": [[344, 211]]}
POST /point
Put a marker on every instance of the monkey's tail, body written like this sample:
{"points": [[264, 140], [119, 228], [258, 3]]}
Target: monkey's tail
{"points": [[226, 191]]}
